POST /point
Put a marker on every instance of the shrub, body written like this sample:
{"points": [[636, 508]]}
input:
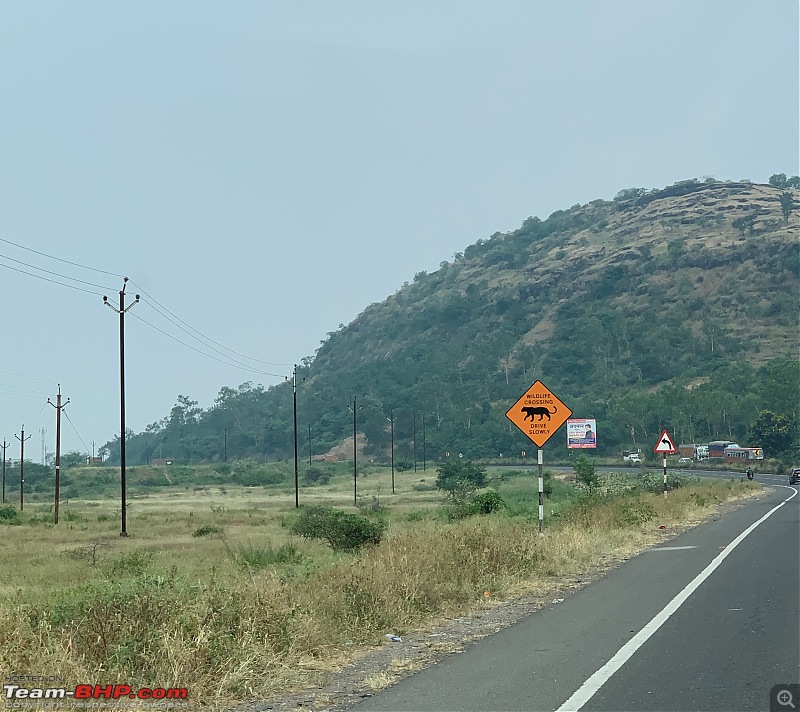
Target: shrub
{"points": [[316, 476], [460, 479], [634, 512], [488, 502], [206, 530], [585, 472], [403, 465], [9, 515], [342, 531]]}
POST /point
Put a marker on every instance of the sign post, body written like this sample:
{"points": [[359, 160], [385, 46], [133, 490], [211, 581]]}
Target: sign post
{"points": [[538, 413], [665, 446]]}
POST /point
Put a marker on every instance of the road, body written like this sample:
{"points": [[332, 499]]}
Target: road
{"points": [[707, 621]]}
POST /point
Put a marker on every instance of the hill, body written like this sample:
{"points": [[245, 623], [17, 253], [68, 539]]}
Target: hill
{"points": [[665, 308]]}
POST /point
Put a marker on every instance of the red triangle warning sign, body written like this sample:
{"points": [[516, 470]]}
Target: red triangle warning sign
{"points": [[665, 444]]}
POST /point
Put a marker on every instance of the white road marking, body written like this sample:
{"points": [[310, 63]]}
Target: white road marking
{"points": [[672, 548], [589, 688]]}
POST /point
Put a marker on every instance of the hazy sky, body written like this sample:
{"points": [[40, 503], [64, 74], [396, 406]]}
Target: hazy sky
{"points": [[266, 170]]}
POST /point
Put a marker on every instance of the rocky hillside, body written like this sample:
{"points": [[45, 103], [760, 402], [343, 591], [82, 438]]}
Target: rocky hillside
{"points": [[687, 291]]}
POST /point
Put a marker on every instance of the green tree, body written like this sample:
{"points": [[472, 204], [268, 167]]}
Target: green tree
{"points": [[778, 180], [460, 479], [585, 471], [787, 203], [775, 433]]}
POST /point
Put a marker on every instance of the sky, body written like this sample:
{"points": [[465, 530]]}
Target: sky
{"points": [[262, 171]]}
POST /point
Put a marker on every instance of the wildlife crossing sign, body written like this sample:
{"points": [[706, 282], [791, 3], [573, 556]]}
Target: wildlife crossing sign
{"points": [[538, 413]]}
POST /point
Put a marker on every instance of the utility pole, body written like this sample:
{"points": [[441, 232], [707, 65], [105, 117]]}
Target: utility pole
{"points": [[391, 421], [5, 445], [43, 432], [59, 407], [22, 440], [294, 410], [414, 412], [309, 444], [423, 443], [121, 311], [225, 450], [355, 410]]}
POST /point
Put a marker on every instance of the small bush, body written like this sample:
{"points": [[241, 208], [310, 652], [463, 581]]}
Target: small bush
{"points": [[206, 530], [9, 515], [488, 502], [403, 465], [316, 476], [342, 531], [635, 512], [460, 479]]}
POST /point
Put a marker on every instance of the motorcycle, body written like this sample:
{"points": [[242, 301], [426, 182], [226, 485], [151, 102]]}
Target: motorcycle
{"points": [[750, 475]]}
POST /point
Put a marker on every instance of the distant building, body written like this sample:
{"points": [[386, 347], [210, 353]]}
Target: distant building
{"points": [[161, 461]]}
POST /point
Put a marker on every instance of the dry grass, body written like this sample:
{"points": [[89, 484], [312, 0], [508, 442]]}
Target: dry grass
{"points": [[166, 609]]}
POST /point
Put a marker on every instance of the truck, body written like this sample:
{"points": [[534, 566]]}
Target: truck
{"points": [[693, 451]]}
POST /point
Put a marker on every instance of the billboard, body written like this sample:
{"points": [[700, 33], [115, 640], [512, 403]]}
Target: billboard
{"points": [[581, 432]]}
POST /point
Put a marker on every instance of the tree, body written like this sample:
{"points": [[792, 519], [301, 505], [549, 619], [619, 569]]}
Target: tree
{"points": [[775, 433], [787, 203], [585, 471], [778, 180], [745, 223], [460, 479]]}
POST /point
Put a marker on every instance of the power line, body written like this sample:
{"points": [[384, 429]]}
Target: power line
{"points": [[30, 390], [52, 281], [208, 346], [58, 259], [207, 338], [183, 343], [57, 274], [32, 378], [76, 430]]}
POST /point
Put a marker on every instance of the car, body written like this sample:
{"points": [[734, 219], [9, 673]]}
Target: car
{"points": [[685, 461], [794, 476]]}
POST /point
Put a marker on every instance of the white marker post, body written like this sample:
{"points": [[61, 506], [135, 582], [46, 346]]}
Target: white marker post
{"points": [[665, 476], [541, 493]]}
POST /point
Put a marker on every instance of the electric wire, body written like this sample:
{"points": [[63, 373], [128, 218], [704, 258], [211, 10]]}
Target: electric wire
{"points": [[227, 363], [18, 395], [152, 299], [58, 259], [21, 388], [208, 346], [75, 429], [57, 274], [207, 338], [52, 281], [32, 378], [36, 417]]}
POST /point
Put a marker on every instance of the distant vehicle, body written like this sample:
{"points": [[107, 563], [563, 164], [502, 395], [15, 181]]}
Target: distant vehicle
{"points": [[633, 458], [685, 461], [794, 476]]}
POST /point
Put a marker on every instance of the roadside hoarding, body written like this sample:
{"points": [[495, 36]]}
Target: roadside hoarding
{"points": [[582, 433]]}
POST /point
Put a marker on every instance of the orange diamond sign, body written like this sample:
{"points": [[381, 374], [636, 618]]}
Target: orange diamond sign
{"points": [[538, 413]]}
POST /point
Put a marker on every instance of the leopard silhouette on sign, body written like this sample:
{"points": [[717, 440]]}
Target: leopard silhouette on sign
{"points": [[541, 411]]}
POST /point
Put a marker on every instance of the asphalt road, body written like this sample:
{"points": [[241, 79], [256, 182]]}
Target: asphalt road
{"points": [[707, 621]]}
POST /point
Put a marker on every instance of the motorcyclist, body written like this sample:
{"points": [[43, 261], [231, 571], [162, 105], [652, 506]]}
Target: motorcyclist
{"points": [[749, 473]]}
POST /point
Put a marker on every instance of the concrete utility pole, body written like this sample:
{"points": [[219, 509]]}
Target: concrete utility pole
{"points": [[5, 445], [121, 311], [59, 407], [22, 440]]}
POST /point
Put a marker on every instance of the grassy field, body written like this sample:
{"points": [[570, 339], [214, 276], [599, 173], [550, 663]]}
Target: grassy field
{"points": [[211, 591]]}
